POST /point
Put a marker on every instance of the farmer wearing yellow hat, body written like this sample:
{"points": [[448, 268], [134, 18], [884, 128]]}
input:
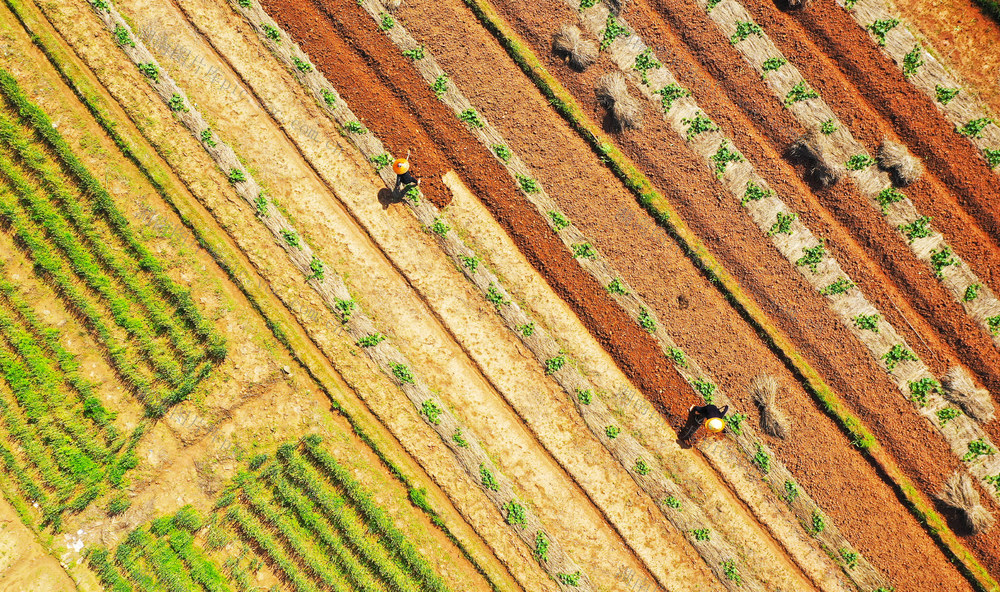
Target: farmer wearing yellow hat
{"points": [[710, 416], [404, 178]]}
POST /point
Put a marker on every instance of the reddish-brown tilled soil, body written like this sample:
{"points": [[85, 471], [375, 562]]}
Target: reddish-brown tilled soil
{"points": [[386, 92], [730, 234]]}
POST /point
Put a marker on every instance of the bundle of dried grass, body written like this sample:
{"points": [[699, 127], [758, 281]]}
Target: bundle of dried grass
{"points": [[961, 390], [612, 93], [393, 5], [773, 420], [569, 43], [894, 158], [960, 493], [813, 150]]}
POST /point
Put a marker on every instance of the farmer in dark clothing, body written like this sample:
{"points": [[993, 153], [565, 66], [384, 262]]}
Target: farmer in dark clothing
{"points": [[710, 416], [404, 178]]}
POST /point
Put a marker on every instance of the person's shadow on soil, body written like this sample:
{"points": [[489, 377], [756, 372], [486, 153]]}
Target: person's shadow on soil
{"points": [[691, 426], [386, 198]]}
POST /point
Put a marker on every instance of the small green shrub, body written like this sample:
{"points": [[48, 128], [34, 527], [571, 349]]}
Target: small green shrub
{"points": [[735, 423], [800, 92], [486, 476], [698, 124], [318, 270], [994, 324], [502, 152], [572, 579], [150, 71], [237, 176], [585, 396], [881, 27], [754, 192], [978, 448], [440, 85], [944, 94], [291, 239], [670, 93], [942, 258], [947, 414], [272, 33], [859, 162], [432, 411], [761, 459], [812, 256], [554, 364], [417, 53], [381, 160], [102, 5], [646, 320], [840, 286], [677, 355], [972, 292], [828, 127], [459, 439], [723, 156], [541, 546], [585, 4], [711, 4], [672, 502], [370, 340], [206, 138], [260, 204], [745, 29], [644, 62], [472, 118], [559, 221], [176, 103], [470, 263], [732, 572], [187, 518], [496, 297], [702, 534], [887, 196], [705, 388], [994, 480], [617, 287], [919, 228], [527, 329], [528, 185], [641, 467], [302, 65], [782, 223], [402, 372], [355, 127], [974, 128], [329, 97], [612, 30], [772, 65], [791, 492], [818, 523], [896, 354], [516, 515], [612, 431], [850, 558], [912, 61], [344, 309], [919, 389], [992, 157], [412, 195], [439, 227], [122, 38], [867, 322], [386, 21], [584, 251], [118, 505]]}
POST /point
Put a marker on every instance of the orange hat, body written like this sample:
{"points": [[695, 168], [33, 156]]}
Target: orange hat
{"points": [[400, 166], [715, 424]]}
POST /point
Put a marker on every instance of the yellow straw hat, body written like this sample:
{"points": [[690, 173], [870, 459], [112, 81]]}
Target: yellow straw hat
{"points": [[716, 424], [400, 166]]}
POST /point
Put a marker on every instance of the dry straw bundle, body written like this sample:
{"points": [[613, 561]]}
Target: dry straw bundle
{"points": [[773, 420], [569, 43], [813, 150], [960, 390], [894, 158], [612, 93], [960, 493]]}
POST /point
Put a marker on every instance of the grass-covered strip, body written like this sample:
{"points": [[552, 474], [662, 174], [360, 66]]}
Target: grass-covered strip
{"points": [[663, 212], [104, 205]]}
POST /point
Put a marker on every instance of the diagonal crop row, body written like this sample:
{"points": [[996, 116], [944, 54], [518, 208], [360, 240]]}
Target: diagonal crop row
{"points": [[547, 351], [807, 254], [567, 106], [332, 289], [920, 66], [927, 243]]}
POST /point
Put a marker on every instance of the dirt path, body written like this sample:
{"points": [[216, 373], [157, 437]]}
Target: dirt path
{"points": [[25, 565]]}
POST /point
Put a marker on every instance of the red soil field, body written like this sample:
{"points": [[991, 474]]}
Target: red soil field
{"points": [[797, 309], [954, 335], [400, 108]]}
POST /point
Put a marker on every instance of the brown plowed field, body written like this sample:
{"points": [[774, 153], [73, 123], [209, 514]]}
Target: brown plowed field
{"points": [[687, 299], [729, 233], [945, 331], [913, 116]]}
